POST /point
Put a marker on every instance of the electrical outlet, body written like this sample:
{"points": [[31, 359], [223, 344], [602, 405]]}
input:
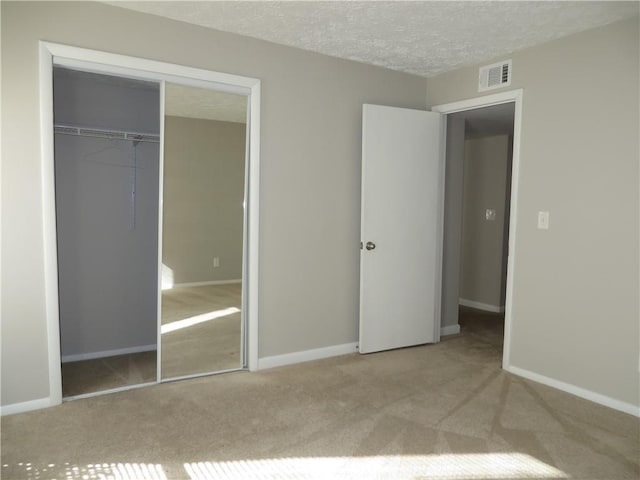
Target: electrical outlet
{"points": [[490, 214], [543, 220], [216, 262]]}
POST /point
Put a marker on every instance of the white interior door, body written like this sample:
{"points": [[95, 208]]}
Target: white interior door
{"points": [[400, 261]]}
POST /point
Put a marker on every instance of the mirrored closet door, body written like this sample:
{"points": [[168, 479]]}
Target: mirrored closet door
{"points": [[203, 231]]}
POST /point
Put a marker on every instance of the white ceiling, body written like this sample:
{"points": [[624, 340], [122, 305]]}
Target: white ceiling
{"points": [[421, 37]]}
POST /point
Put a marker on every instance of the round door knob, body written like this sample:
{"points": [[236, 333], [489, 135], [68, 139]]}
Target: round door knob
{"points": [[370, 245]]}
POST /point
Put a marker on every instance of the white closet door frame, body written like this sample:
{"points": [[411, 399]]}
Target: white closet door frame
{"points": [[53, 54], [163, 90]]}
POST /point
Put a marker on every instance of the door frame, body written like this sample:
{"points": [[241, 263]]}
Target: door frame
{"points": [[54, 54], [515, 97]]}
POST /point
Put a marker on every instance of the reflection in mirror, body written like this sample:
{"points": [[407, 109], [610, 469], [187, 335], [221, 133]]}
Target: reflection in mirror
{"points": [[203, 223]]}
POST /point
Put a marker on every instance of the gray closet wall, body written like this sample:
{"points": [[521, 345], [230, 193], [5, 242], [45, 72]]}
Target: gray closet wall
{"points": [[107, 238]]}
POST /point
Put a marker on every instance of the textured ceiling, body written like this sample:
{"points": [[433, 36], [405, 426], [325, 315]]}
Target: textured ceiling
{"points": [[184, 101], [420, 37]]}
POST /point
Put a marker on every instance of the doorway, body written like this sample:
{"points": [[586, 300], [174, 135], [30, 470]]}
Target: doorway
{"points": [[130, 69], [483, 145], [486, 179]]}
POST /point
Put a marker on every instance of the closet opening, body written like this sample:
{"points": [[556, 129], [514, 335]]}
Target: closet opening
{"points": [[106, 158]]}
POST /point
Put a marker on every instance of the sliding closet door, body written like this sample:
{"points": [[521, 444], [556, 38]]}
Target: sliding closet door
{"points": [[107, 180], [203, 231]]}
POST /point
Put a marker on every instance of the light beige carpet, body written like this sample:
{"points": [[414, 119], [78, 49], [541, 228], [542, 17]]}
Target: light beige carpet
{"points": [[444, 411], [90, 376]]}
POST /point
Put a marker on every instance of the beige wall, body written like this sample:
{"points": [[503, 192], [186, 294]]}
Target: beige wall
{"points": [[310, 177], [203, 197], [486, 174], [575, 304]]}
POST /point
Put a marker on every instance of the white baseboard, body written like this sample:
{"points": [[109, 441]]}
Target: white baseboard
{"points": [[450, 330], [306, 355], [107, 353], [204, 284], [481, 306], [26, 406], [577, 391]]}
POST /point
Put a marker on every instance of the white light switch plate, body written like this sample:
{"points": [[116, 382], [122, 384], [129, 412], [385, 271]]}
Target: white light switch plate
{"points": [[543, 220]]}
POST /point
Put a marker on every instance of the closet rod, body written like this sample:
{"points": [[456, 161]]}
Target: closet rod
{"points": [[108, 134]]}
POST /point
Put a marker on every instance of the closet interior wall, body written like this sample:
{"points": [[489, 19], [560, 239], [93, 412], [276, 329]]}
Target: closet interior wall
{"points": [[107, 214]]}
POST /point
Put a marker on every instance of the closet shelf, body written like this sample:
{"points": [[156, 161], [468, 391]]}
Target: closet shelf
{"points": [[109, 134]]}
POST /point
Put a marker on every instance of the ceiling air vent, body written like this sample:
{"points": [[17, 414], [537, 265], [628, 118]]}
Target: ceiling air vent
{"points": [[495, 75]]}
